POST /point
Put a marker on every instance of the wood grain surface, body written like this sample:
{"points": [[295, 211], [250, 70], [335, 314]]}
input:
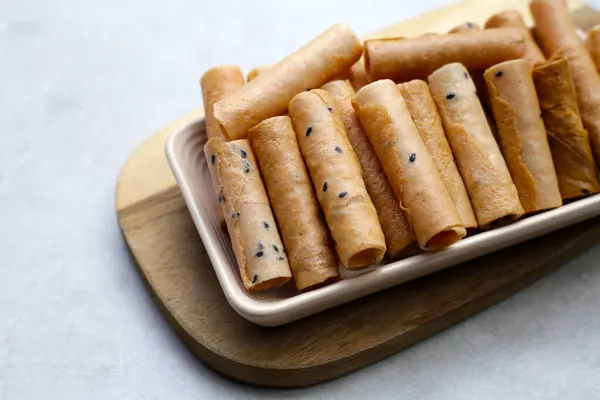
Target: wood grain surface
{"points": [[172, 260]]}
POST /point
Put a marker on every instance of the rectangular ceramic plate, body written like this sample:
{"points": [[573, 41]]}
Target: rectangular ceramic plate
{"points": [[282, 305]]}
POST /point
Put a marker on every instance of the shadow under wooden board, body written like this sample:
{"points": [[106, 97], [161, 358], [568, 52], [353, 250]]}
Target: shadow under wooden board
{"points": [[173, 262]]}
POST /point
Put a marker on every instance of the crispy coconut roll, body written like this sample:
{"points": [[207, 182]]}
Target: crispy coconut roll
{"points": [[423, 110], [396, 228], [556, 35], [337, 179], [304, 232], [268, 95], [569, 144], [523, 135], [404, 59], [215, 84], [493, 195], [408, 165], [250, 222]]}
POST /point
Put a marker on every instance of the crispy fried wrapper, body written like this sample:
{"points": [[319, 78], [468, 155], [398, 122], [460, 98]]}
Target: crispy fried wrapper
{"points": [[493, 195], [304, 232], [337, 179], [405, 59], [250, 221], [408, 165], [422, 108], [523, 135], [569, 144], [268, 95], [398, 234]]}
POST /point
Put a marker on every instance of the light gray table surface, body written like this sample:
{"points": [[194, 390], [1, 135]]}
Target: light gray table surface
{"points": [[82, 83]]}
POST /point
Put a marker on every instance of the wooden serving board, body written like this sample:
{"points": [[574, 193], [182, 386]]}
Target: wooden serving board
{"points": [[172, 260]]}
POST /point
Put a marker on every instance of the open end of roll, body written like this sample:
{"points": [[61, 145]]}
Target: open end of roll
{"points": [[270, 283], [365, 258], [445, 238]]}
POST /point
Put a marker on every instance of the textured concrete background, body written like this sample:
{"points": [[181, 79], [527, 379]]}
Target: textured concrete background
{"points": [[82, 83]]}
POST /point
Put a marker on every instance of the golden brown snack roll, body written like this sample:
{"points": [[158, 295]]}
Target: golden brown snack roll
{"points": [[305, 235], [422, 108], [569, 144], [337, 179], [215, 84], [493, 195], [513, 18], [396, 228], [554, 27], [268, 95], [523, 135], [405, 59], [254, 237], [408, 165]]}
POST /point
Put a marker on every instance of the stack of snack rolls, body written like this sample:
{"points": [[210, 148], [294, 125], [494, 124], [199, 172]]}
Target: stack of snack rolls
{"points": [[352, 153]]}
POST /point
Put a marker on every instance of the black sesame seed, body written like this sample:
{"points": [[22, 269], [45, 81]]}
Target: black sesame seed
{"points": [[235, 215], [309, 130], [499, 74], [470, 25], [276, 248], [342, 195], [450, 96], [259, 254], [338, 149], [413, 157], [280, 258], [254, 278], [243, 153], [260, 246], [330, 109], [220, 198], [466, 75], [585, 191], [266, 224], [325, 186], [213, 158], [246, 166]]}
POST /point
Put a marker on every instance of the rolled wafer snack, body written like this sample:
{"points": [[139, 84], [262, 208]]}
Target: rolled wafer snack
{"points": [[250, 222], [268, 95], [336, 176], [556, 35], [305, 235], [493, 195], [216, 83], [593, 45], [554, 27], [587, 87], [465, 27], [514, 18], [256, 71], [396, 228], [423, 110], [416, 58], [408, 165], [523, 135], [569, 144]]}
